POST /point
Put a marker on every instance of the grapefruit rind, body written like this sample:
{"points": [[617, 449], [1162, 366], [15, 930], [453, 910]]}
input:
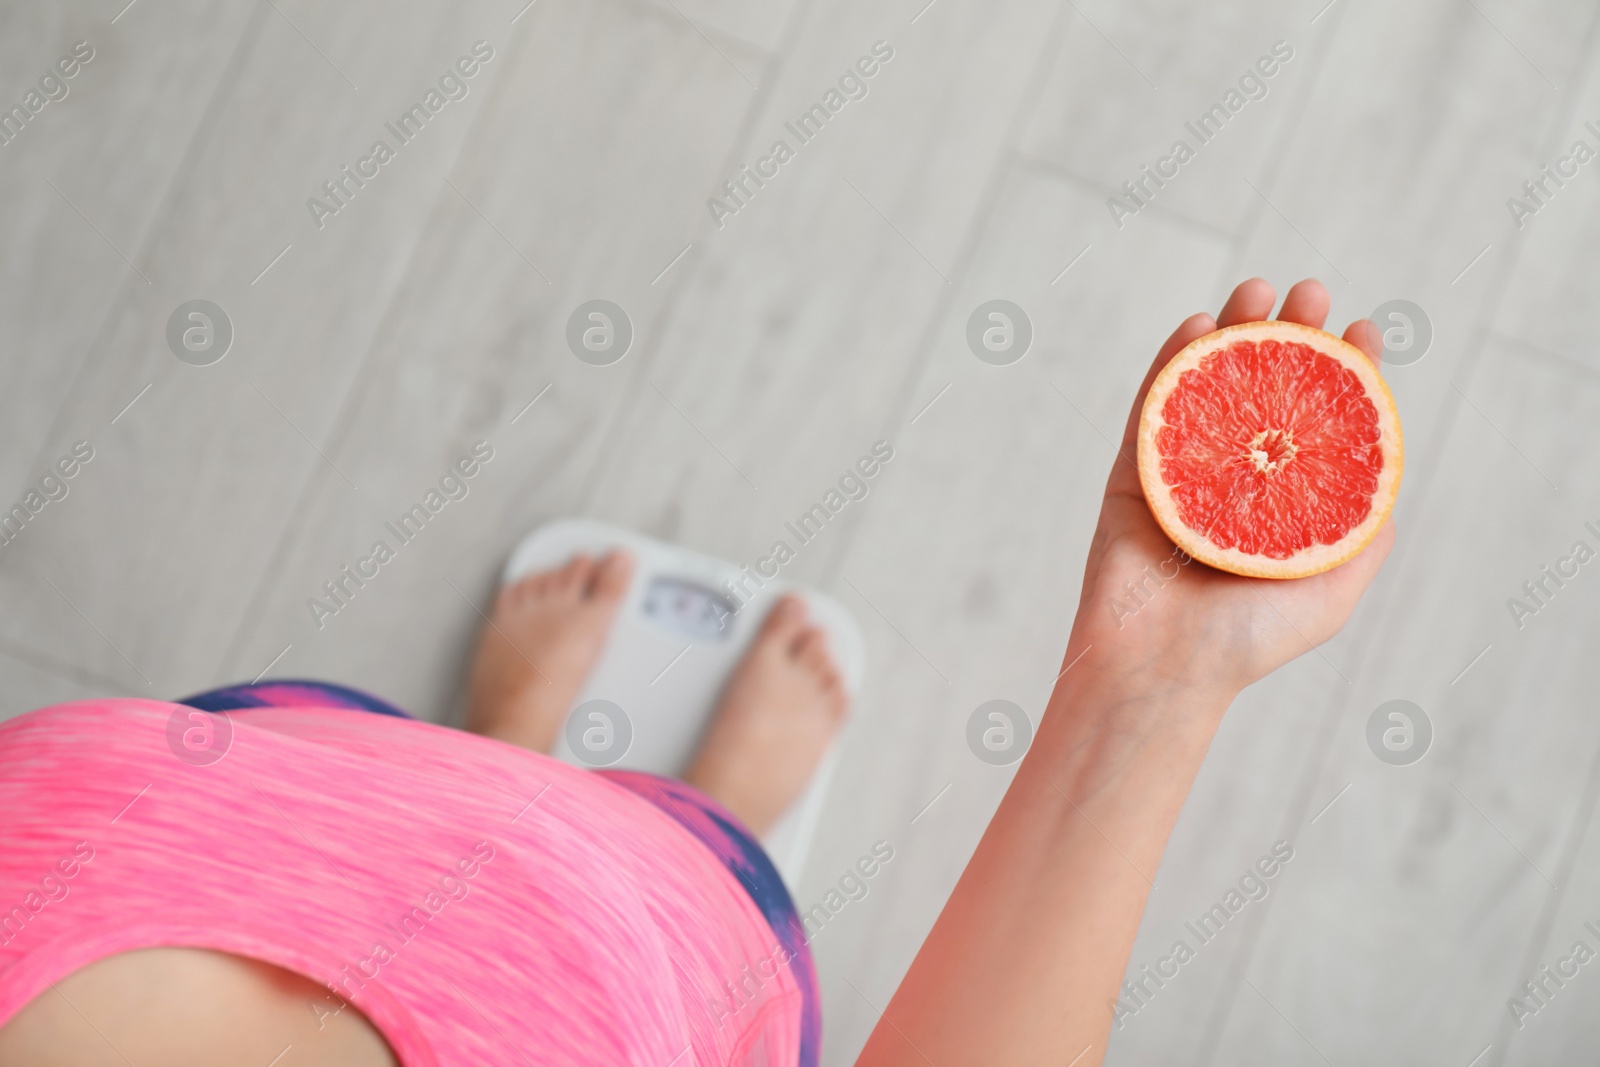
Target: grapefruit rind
{"points": [[1317, 558]]}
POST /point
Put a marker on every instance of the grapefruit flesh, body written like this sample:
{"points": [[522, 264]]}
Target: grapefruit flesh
{"points": [[1270, 449]]}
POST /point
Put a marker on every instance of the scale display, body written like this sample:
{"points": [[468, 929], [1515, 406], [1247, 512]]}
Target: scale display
{"points": [[688, 608]]}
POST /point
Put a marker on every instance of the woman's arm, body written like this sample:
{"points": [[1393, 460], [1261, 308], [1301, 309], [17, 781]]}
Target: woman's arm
{"points": [[1026, 959]]}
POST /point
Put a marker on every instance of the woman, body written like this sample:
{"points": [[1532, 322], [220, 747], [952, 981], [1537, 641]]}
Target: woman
{"points": [[348, 886]]}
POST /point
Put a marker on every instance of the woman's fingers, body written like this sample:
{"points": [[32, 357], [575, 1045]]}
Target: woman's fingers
{"points": [[1363, 333], [1307, 304], [1251, 302]]}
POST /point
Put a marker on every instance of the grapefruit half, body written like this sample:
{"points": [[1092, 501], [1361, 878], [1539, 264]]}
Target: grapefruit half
{"points": [[1270, 449]]}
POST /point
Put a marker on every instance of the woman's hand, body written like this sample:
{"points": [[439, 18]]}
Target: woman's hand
{"points": [[1026, 962], [1189, 626]]}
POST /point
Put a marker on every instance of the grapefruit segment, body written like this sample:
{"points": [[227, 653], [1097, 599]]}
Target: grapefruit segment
{"points": [[1270, 449]]}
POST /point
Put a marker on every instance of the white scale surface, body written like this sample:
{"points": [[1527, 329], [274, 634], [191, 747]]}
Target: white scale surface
{"points": [[673, 646]]}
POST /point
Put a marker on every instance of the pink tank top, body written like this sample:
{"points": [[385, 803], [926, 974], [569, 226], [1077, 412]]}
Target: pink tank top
{"points": [[477, 902]]}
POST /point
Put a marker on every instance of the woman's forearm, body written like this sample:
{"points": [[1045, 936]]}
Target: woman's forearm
{"points": [[1027, 956]]}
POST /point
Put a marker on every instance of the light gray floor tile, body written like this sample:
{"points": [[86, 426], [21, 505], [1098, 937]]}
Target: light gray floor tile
{"points": [[82, 185]]}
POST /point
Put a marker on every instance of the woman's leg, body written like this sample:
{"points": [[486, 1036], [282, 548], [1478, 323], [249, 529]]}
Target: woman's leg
{"points": [[543, 636], [774, 720]]}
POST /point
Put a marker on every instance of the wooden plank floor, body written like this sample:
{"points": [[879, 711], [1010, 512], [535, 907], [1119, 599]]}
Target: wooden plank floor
{"points": [[775, 345]]}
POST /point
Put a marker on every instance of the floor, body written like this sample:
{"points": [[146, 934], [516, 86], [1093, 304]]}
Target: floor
{"points": [[775, 344]]}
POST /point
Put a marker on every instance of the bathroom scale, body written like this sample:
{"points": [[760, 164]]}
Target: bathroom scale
{"points": [[682, 627]]}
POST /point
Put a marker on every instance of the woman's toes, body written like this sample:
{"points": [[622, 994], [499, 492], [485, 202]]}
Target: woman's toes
{"points": [[811, 650], [784, 622], [611, 577], [573, 578], [837, 707], [515, 594]]}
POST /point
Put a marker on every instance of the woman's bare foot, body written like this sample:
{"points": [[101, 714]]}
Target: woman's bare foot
{"points": [[777, 714], [542, 638]]}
